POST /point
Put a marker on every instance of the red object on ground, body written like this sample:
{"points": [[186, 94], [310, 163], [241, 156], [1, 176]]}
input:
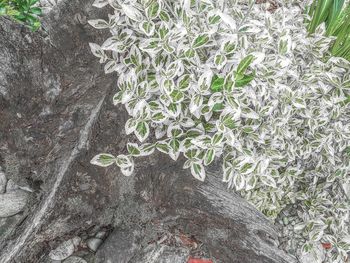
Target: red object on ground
{"points": [[199, 260], [326, 245]]}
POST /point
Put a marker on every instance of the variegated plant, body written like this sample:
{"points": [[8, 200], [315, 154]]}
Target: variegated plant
{"points": [[229, 81]]}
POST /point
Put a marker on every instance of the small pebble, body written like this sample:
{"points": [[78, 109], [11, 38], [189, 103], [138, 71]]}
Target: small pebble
{"points": [[74, 259], [63, 251], [93, 243]]}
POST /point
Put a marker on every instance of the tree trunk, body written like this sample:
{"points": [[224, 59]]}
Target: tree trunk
{"points": [[56, 114]]}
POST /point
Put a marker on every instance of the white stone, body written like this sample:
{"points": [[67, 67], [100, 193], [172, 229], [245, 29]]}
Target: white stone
{"points": [[74, 259], [63, 251], [93, 243], [12, 203], [101, 234], [11, 186], [76, 241]]}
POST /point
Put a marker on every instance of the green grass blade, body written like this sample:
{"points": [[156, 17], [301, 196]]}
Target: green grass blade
{"points": [[320, 14], [334, 15]]}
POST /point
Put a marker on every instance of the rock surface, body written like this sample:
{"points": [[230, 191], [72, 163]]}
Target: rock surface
{"points": [[74, 260], [3, 182], [56, 114], [63, 251], [12, 203]]}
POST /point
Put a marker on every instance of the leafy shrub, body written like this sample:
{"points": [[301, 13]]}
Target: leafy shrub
{"points": [[227, 81], [336, 15], [23, 11]]}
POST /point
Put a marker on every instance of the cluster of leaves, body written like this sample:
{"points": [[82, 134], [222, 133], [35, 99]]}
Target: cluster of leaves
{"points": [[23, 11], [336, 15], [227, 81]]}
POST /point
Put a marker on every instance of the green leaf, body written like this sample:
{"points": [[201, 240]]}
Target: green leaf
{"points": [[242, 81], [36, 11], [148, 28], [103, 160], [218, 107], [217, 138], [147, 149], [192, 133], [247, 129], [175, 132], [158, 117], [184, 82], [130, 126], [190, 53], [177, 96], [191, 154], [284, 45], [214, 19], [345, 102], [200, 41], [153, 10], [228, 174], [229, 82], [228, 122], [220, 61], [164, 16], [238, 181], [268, 180], [217, 83], [163, 147], [142, 131], [33, 2], [196, 102], [198, 172], [133, 149], [209, 156], [154, 105], [99, 23], [174, 109], [229, 47], [163, 31], [244, 64], [123, 161], [174, 144]]}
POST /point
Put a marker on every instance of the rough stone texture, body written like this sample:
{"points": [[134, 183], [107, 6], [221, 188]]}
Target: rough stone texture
{"points": [[56, 114], [12, 203]]}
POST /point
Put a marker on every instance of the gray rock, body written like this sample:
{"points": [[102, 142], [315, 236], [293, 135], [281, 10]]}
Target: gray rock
{"points": [[12, 203], [120, 246], [101, 234], [93, 243], [74, 259], [124, 246], [76, 241], [3, 181], [164, 254], [11, 186], [63, 251]]}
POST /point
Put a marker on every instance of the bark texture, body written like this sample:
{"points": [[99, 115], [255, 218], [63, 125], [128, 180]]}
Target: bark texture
{"points": [[56, 114]]}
